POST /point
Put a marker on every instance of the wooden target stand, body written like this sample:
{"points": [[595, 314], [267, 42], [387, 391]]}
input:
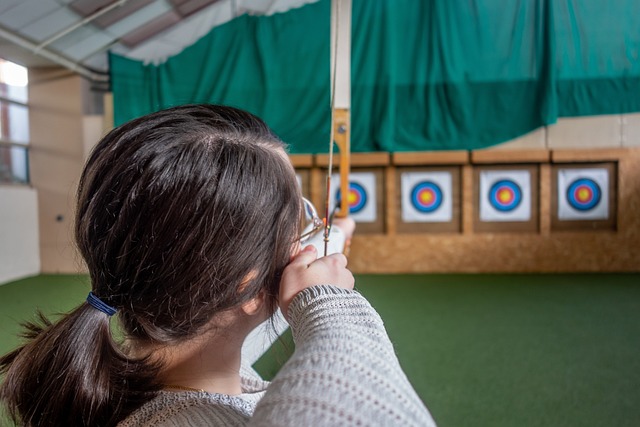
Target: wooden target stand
{"points": [[544, 243]]}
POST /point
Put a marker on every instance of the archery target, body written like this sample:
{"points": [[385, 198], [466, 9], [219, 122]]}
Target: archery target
{"points": [[505, 195], [361, 197], [357, 197], [583, 194], [426, 196]]}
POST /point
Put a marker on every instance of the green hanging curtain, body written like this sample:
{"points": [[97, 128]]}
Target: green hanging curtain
{"points": [[426, 75], [276, 67]]}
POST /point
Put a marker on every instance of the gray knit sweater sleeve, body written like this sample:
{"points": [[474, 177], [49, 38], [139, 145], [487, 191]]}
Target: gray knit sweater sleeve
{"points": [[344, 370]]}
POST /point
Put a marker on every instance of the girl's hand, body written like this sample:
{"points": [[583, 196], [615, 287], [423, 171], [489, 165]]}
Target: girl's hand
{"points": [[306, 270]]}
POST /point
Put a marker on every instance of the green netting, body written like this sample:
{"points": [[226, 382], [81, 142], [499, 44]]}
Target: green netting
{"points": [[426, 75]]}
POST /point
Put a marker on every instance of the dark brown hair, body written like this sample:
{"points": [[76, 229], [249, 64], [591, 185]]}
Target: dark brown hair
{"points": [[175, 210]]}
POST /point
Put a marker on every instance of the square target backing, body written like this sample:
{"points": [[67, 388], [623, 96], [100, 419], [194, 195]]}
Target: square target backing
{"points": [[451, 200], [610, 193], [530, 225]]}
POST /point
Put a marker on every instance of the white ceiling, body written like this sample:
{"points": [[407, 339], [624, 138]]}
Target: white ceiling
{"points": [[38, 33]]}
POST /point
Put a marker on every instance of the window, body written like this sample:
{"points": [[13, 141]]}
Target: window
{"points": [[14, 123]]}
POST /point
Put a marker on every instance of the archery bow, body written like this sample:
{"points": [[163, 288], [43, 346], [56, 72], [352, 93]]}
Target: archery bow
{"points": [[340, 109]]}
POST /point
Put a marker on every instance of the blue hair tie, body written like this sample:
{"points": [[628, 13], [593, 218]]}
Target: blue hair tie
{"points": [[98, 304]]}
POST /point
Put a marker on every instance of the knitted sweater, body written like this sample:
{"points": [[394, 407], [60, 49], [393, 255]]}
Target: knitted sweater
{"points": [[343, 372]]}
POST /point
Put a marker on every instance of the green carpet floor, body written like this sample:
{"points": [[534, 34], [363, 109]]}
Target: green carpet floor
{"points": [[481, 350]]}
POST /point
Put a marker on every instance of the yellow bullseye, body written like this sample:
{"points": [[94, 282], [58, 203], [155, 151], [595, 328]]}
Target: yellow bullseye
{"points": [[352, 197], [504, 196], [584, 194], [426, 197]]}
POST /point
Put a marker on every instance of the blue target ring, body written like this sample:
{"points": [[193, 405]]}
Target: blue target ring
{"points": [[426, 196], [505, 195], [357, 197], [584, 194]]}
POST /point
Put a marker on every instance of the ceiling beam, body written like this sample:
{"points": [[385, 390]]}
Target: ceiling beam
{"points": [[53, 57], [79, 24]]}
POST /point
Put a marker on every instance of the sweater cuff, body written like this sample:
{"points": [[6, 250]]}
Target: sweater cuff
{"points": [[330, 304]]}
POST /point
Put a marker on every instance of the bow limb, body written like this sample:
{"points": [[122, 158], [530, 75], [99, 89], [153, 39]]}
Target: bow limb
{"points": [[341, 96], [341, 125]]}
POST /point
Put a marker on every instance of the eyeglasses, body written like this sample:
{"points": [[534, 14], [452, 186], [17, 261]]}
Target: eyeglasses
{"points": [[312, 222]]}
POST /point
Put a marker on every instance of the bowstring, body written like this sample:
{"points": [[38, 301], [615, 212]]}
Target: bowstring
{"points": [[328, 218]]}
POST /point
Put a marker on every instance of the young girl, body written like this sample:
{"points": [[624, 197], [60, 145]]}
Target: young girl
{"points": [[188, 220]]}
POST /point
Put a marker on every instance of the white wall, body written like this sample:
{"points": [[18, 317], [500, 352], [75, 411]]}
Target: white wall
{"points": [[56, 156], [609, 131], [19, 246]]}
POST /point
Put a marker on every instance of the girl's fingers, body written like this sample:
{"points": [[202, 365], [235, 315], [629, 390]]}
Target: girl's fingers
{"points": [[305, 257], [306, 270]]}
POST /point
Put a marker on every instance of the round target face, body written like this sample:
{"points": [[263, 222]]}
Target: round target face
{"points": [[584, 194], [505, 195], [357, 197], [426, 196]]}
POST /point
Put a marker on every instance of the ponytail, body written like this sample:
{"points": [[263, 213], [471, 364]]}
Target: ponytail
{"points": [[72, 373]]}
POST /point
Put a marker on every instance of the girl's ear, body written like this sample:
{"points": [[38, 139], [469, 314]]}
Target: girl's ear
{"points": [[254, 306]]}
